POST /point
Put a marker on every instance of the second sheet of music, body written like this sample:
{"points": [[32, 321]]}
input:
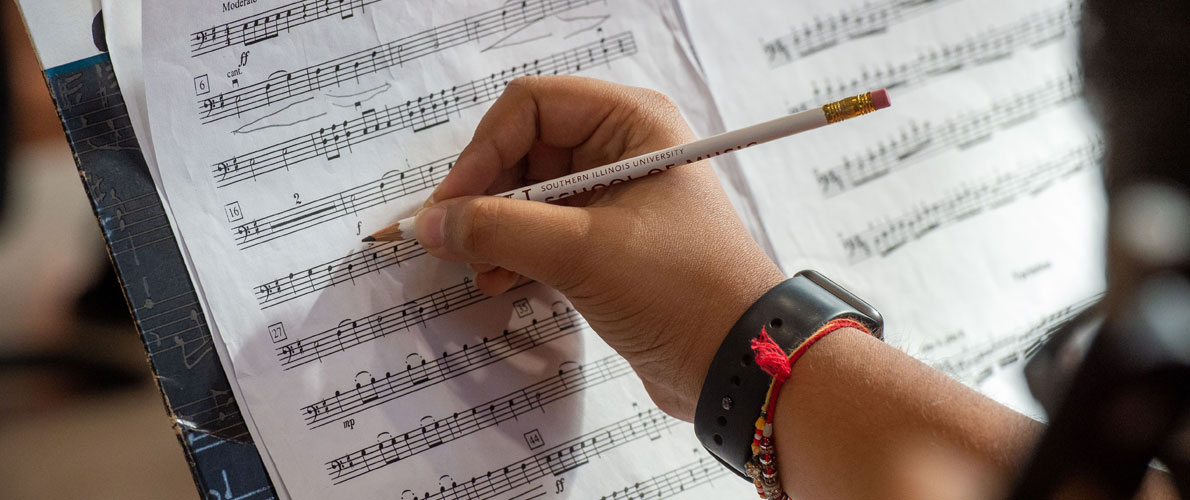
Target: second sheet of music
{"points": [[971, 211]]}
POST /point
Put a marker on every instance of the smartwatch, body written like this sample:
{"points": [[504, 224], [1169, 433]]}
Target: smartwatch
{"points": [[734, 389]]}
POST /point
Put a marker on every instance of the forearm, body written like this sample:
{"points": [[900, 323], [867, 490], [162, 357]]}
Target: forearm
{"points": [[860, 419], [854, 409]]}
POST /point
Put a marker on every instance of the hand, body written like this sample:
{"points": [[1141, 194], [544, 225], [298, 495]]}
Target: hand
{"points": [[660, 267]]}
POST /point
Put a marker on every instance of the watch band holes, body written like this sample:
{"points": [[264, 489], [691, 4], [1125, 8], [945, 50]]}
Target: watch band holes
{"points": [[735, 380], [746, 360], [718, 439], [722, 421], [775, 323]]}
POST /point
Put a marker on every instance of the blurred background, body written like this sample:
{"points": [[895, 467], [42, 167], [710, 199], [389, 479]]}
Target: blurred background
{"points": [[80, 415]]}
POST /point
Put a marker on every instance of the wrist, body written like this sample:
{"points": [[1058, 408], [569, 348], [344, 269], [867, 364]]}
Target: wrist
{"points": [[726, 311], [683, 365], [751, 365], [853, 403], [803, 432]]}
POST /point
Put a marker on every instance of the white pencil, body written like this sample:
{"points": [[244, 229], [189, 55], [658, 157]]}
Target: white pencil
{"points": [[665, 159]]}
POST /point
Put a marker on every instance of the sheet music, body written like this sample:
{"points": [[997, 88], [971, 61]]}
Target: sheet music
{"points": [[969, 212], [284, 132]]}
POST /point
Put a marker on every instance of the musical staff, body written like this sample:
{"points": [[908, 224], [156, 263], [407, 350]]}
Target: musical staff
{"points": [[282, 86], [329, 274], [674, 482], [217, 414], [269, 24], [557, 460], [858, 22], [419, 376], [331, 141], [976, 364], [997, 44], [351, 333], [508, 407], [392, 185], [918, 141], [890, 234]]}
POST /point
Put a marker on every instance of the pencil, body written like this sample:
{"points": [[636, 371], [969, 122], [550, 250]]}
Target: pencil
{"points": [[665, 159]]}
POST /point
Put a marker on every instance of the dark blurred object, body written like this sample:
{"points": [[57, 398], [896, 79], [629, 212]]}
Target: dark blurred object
{"points": [[40, 381], [87, 353], [1116, 383], [103, 301]]}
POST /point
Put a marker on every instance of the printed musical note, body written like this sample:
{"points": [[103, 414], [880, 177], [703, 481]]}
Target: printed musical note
{"points": [[268, 24], [556, 460], [377, 325], [674, 482], [281, 87], [918, 141], [347, 8], [218, 412], [1030, 32], [417, 376], [891, 233], [170, 327], [134, 223], [856, 23], [330, 141], [391, 186], [532, 398], [974, 362]]}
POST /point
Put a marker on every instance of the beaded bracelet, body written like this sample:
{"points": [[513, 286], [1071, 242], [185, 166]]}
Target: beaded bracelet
{"points": [[762, 468]]}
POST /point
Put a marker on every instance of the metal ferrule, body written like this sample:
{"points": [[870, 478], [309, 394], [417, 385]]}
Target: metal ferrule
{"points": [[848, 108]]}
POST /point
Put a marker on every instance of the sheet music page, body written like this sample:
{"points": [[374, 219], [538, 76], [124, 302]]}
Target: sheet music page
{"points": [[971, 212], [284, 132]]}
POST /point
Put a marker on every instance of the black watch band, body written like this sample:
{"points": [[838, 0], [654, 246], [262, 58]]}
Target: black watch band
{"points": [[735, 387]]}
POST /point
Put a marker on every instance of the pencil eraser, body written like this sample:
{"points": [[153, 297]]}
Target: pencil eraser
{"points": [[880, 99]]}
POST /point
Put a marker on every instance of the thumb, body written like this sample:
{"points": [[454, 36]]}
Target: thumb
{"points": [[537, 240]]}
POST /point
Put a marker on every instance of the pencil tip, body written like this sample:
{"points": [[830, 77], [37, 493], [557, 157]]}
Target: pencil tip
{"points": [[368, 239], [392, 232]]}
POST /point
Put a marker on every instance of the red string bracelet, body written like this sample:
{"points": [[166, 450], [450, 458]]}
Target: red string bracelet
{"points": [[773, 360]]}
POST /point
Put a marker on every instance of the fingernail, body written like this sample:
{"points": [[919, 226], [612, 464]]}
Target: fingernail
{"points": [[431, 227], [481, 268]]}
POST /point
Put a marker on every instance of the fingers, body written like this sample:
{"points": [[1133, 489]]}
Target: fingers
{"points": [[537, 240], [560, 112], [496, 281], [545, 161]]}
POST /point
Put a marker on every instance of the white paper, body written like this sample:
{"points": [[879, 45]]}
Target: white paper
{"points": [[58, 30], [351, 356], [968, 212]]}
